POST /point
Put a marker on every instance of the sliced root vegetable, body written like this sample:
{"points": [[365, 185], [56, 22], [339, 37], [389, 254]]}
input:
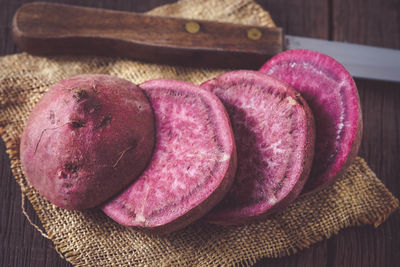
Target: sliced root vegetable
{"points": [[333, 97], [274, 134], [193, 164], [87, 138]]}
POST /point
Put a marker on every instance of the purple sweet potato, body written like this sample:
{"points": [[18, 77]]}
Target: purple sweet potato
{"points": [[88, 138], [332, 95], [274, 134], [193, 164]]}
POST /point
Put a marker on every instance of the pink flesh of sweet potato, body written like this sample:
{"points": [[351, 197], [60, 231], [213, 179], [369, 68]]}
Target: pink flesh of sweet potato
{"points": [[274, 134], [333, 97], [193, 164], [87, 139]]}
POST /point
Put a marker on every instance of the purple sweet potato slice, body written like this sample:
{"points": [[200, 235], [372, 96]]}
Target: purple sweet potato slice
{"points": [[274, 134], [193, 164], [332, 95], [87, 139]]}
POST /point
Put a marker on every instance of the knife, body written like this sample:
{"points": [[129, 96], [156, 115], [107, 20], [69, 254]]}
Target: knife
{"points": [[52, 29]]}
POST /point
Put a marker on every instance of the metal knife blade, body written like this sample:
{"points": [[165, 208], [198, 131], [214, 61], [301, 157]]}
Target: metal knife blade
{"points": [[360, 60]]}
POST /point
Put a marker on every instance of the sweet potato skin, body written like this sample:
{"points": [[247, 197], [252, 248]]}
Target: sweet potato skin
{"points": [[87, 139]]}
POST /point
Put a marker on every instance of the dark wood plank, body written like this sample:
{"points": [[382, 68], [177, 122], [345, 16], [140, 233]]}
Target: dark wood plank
{"points": [[316, 255], [371, 22], [303, 17]]}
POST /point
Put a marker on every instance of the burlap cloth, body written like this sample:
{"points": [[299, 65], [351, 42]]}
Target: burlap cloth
{"points": [[91, 239]]}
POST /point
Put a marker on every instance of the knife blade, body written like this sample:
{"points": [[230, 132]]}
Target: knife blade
{"points": [[51, 29], [361, 61]]}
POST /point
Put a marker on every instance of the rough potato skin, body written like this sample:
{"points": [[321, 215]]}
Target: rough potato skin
{"points": [[87, 139]]}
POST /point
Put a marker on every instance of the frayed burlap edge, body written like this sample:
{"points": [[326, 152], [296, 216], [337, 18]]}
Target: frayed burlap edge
{"points": [[357, 198]]}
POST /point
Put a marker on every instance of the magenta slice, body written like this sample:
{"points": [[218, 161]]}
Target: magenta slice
{"points": [[332, 95], [192, 167], [274, 134]]}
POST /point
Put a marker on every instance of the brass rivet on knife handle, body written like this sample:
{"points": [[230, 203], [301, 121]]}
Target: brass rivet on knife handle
{"points": [[254, 34], [192, 27], [51, 29]]}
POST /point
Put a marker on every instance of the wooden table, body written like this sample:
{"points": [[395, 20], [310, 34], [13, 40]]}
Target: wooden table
{"points": [[371, 22]]}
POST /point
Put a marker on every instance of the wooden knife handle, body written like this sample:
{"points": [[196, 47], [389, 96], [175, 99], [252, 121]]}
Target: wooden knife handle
{"points": [[53, 29]]}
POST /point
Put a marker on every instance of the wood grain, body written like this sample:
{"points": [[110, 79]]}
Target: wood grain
{"points": [[307, 18], [374, 22], [53, 29]]}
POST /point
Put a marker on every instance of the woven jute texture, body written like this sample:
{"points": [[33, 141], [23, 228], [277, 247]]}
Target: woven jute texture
{"points": [[90, 238]]}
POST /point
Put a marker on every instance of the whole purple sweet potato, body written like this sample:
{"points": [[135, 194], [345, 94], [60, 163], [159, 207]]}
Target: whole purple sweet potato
{"points": [[87, 139]]}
